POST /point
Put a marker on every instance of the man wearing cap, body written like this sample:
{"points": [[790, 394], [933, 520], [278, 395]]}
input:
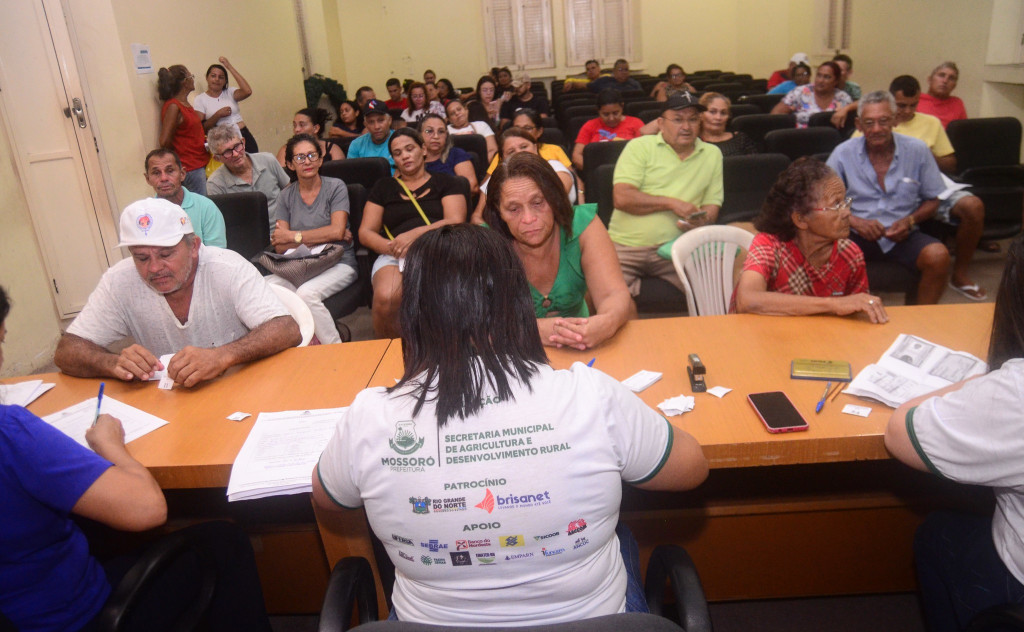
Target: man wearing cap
{"points": [[207, 306], [165, 174], [377, 120], [784, 75], [243, 171], [664, 185], [523, 98], [620, 79]]}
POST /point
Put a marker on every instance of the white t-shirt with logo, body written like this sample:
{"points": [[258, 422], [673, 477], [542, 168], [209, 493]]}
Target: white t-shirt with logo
{"points": [[507, 518], [229, 298]]}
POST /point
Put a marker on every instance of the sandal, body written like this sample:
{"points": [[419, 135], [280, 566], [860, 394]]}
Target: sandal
{"points": [[989, 246], [971, 291]]}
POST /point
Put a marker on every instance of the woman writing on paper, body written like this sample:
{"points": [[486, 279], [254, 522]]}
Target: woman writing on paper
{"points": [[557, 550], [48, 578], [802, 262]]}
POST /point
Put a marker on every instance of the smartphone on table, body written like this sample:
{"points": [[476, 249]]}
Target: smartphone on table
{"points": [[777, 413]]}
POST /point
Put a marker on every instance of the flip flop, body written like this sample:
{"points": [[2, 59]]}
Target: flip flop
{"points": [[971, 291]]}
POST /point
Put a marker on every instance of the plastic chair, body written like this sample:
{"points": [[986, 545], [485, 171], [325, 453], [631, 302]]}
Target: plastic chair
{"points": [[704, 258], [299, 311]]}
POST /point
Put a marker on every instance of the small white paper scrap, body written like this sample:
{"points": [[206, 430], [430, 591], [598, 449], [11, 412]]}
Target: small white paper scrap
{"points": [[676, 405], [166, 383], [641, 380], [860, 411], [239, 416], [159, 376], [719, 391]]}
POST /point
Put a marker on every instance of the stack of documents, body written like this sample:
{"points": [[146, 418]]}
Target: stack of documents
{"points": [[280, 452], [911, 367], [74, 421], [23, 393]]}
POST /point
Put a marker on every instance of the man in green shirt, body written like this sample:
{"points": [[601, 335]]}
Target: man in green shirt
{"points": [[664, 185]]}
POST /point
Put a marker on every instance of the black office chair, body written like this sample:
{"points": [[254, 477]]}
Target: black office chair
{"points": [[360, 292], [887, 276], [764, 101], [588, 110], [742, 109], [711, 74], [760, 85], [553, 136], [364, 171], [802, 142], [597, 154], [600, 190], [649, 115], [246, 221], [572, 129], [988, 157], [634, 108], [477, 145], [746, 181], [722, 86], [757, 125], [824, 119], [351, 591]]}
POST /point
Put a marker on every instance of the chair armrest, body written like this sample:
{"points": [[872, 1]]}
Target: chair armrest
{"points": [[672, 563], [999, 176], [351, 586]]}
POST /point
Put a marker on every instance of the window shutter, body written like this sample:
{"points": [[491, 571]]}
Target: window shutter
{"points": [[581, 32], [614, 21], [519, 33], [598, 29]]}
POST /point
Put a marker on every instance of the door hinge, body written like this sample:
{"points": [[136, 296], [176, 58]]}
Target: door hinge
{"points": [[96, 143], [55, 288]]}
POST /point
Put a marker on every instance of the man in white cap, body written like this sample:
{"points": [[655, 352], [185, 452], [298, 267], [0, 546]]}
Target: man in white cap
{"points": [[207, 306], [786, 74]]}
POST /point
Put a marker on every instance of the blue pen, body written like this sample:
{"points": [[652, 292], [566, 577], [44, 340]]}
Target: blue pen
{"points": [[821, 403], [99, 402], [592, 361]]}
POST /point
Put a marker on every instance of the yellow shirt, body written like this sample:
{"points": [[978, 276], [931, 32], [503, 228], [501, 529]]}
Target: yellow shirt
{"points": [[547, 151], [927, 128]]}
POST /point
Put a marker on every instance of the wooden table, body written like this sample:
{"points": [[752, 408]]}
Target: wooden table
{"points": [[750, 354], [197, 448]]}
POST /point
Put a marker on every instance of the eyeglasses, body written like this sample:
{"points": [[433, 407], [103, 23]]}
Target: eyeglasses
{"points": [[842, 206], [528, 128], [885, 121], [232, 150], [302, 158]]}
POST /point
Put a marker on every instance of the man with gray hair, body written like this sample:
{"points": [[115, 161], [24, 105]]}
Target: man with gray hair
{"points": [[892, 196], [207, 306], [243, 171]]}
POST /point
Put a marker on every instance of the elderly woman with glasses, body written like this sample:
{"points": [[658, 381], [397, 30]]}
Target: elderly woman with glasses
{"points": [[802, 261]]}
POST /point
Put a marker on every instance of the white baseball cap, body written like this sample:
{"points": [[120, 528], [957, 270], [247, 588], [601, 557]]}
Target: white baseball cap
{"points": [[153, 222], [800, 58]]}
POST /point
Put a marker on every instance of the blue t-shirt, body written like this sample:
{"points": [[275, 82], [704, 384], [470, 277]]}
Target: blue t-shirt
{"points": [[364, 147], [456, 155], [48, 580]]}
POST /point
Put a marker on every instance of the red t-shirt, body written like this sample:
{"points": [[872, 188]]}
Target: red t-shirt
{"points": [[397, 105], [594, 130], [946, 110], [786, 270], [189, 139], [779, 76]]}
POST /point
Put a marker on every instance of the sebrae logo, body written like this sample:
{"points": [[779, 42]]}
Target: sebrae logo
{"points": [[405, 440], [487, 504]]}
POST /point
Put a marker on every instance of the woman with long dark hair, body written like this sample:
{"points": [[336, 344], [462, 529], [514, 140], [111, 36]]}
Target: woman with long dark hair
{"points": [[484, 456], [181, 127], [972, 432]]}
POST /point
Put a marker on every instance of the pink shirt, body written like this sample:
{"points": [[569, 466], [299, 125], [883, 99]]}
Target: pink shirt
{"points": [[946, 110]]}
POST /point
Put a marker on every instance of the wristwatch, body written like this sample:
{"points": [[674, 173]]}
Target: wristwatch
{"points": [[298, 237], [912, 222]]}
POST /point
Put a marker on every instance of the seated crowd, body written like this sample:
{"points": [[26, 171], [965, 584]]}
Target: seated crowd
{"points": [[520, 236]]}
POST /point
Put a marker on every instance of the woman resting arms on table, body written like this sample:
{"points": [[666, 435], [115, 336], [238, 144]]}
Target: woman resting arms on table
{"points": [[971, 432], [488, 376], [404, 208], [567, 254], [802, 262]]}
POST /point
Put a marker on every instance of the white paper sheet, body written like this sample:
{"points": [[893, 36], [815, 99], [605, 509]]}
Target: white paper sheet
{"points": [[280, 452], [75, 420], [23, 393]]}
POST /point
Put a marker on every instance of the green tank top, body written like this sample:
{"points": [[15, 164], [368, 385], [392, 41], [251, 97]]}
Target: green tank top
{"points": [[568, 295]]}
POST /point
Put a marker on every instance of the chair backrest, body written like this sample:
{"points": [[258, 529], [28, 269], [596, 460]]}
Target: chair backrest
{"points": [[985, 142], [764, 101], [704, 259], [649, 115], [802, 142], [722, 86], [743, 109], [601, 191], [476, 144], [552, 135], [597, 154], [588, 109], [746, 181], [299, 311], [572, 127], [364, 171], [757, 125], [824, 119], [634, 108], [246, 221]]}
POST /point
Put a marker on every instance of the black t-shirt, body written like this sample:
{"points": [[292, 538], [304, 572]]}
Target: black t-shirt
{"points": [[400, 215], [538, 103]]}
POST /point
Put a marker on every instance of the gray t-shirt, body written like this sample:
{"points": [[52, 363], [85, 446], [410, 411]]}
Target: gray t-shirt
{"points": [[333, 197], [229, 298], [267, 177]]}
